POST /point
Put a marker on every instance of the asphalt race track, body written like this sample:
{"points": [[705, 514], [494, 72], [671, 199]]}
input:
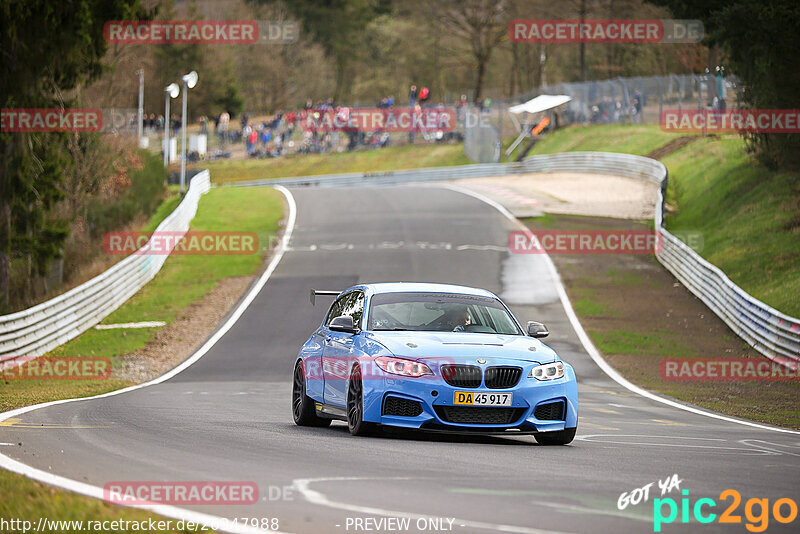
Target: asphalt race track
{"points": [[227, 417]]}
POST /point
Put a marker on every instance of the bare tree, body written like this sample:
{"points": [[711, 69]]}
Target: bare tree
{"points": [[481, 24]]}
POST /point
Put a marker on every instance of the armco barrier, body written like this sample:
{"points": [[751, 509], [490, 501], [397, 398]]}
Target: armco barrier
{"points": [[769, 331], [37, 330]]}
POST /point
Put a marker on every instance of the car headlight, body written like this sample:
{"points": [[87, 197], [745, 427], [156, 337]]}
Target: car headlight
{"points": [[548, 371], [399, 366]]}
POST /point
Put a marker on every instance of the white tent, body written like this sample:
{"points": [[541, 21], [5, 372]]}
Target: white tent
{"points": [[535, 105], [540, 103]]}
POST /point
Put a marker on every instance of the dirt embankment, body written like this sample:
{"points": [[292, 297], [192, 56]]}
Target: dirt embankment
{"points": [[672, 146]]}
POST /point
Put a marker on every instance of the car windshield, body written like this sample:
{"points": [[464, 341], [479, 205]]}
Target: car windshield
{"points": [[440, 312]]}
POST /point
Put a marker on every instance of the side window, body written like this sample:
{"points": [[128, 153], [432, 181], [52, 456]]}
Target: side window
{"points": [[336, 309], [351, 304], [354, 307]]}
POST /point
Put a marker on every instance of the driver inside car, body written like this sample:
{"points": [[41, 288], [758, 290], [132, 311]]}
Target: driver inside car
{"points": [[461, 320]]}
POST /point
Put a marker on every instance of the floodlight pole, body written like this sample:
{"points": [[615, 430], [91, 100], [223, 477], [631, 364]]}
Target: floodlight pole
{"points": [[166, 130], [189, 82], [139, 125], [170, 91], [183, 149]]}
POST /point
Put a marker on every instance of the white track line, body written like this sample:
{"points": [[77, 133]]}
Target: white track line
{"points": [[143, 324], [169, 511], [587, 343]]}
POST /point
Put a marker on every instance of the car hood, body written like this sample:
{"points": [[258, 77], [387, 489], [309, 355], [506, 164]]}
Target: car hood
{"points": [[461, 347]]}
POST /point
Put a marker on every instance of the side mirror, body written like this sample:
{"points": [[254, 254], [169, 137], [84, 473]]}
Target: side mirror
{"points": [[343, 323], [537, 329]]}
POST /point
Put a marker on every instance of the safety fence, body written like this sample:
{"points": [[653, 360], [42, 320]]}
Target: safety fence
{"points": [[633, 100], [638, 99], [39, 329], [772, 333]]}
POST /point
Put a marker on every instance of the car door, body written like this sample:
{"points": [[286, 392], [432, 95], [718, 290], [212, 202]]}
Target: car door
{"points": [[315, 363], [338, 352]]}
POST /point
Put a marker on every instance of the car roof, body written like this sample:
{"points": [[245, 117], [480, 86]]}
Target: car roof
{"points": [[419, 287]]}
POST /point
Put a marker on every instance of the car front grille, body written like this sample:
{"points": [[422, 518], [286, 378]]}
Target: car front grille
{"points": [[502, 377], [462, 376], [551, 411], [472, 415], [401, 407]]}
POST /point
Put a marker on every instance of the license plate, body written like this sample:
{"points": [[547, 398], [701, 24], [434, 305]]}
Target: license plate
{"points": [[471, 398]]}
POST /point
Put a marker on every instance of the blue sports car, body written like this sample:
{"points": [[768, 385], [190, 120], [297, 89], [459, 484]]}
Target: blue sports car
{"points": [[432, 357]]}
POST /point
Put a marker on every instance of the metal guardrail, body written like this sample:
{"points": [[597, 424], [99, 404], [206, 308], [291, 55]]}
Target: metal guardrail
{"points": [[772, 333], [43, 327]]}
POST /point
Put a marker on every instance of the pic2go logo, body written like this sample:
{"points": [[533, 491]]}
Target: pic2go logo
{"points": [[758, 521]]}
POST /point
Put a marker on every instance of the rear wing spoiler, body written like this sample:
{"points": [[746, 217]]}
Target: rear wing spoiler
{"points": [[315, 292]]}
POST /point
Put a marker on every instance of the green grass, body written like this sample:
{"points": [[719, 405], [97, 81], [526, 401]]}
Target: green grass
{"points": [[631, 139], [653, 342], [183, 279], [379, 160], [28, 500], [166, 207], [760, 405], [25, 393], [17, 393], [615, 303], [749, 217], [638, 139], [544, 221], [588, 307], [618, 277], [585, 301]]}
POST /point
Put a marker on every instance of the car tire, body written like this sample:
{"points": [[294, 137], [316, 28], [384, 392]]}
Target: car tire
{"points": [[303, 411], [355, 406], [560, 437]]}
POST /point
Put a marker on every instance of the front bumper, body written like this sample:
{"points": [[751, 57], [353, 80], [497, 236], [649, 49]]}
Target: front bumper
{"points": [[433, 394]]}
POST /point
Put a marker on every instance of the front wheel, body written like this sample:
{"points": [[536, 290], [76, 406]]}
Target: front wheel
{"points": [[560, 437], [355, 407], [303, 410]]}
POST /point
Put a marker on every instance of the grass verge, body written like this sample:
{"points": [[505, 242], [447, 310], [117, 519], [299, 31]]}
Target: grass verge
{"points": [[28, 500], [748, 216], [637, 315], [182, 280], [611, 138], [379, 160], [636, 139]]}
